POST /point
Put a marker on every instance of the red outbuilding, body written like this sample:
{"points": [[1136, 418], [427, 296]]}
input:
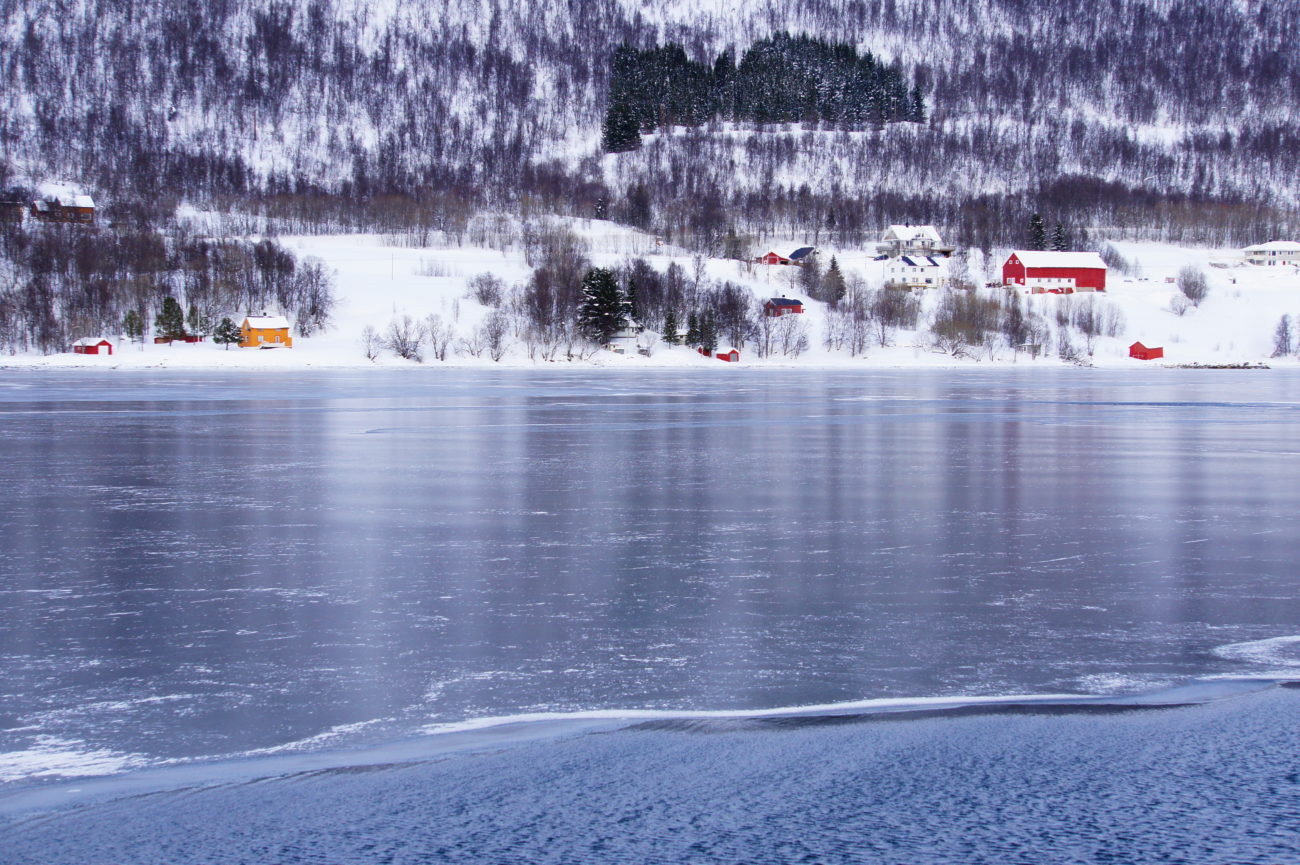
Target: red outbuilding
{"points": [[1040, 272], [779, 306], [1141, 352], [773, 258], [92, 345], [730, 355]]}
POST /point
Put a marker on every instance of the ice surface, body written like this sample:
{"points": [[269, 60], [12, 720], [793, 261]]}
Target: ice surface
{"points": [[205, 565], [1214, 784]]}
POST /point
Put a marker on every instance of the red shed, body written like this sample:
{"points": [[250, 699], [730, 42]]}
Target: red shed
{"points": [[773, 258], [92, 345], [779, 306], [1141, 352], [1055, 272], [730, 355]]}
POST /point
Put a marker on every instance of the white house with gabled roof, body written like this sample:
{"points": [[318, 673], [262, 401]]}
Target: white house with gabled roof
{"points": [[1277, 253], [915, 271], [905, 239]]}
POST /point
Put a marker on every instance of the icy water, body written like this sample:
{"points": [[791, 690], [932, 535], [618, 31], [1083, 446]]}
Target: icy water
{"points": [[212, 564]]}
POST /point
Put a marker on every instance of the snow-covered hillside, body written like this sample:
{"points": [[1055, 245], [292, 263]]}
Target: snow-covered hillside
{"points": [[382, 279], [1167, 119]]}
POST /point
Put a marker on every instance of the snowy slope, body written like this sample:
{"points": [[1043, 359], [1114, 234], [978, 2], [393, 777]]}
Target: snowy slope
{"points": [[378, 279]]}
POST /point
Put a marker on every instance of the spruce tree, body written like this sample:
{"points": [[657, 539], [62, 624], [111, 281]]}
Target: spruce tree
{"points": [[132, 325], [1037, 232], [226, 333], [833, 286], [670, 327], [170, 320], [620, 132], [601, 313], [692, 329], [1060, 240], [708, 334]]}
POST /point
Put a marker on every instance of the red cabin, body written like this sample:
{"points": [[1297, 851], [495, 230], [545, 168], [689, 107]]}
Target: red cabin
{"points": [[773, 258], [92, 345], [731, 356], [779, 306], [1042, 272], [1141, 352]]}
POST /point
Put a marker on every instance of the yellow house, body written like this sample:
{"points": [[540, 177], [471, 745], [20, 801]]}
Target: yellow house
{"points": [[265, 331]]}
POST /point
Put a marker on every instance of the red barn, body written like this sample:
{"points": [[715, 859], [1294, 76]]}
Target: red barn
{"points": [[1141, 352], [773, 258], [730, 355], [779, 306], [1042, 272], [92, 345]]}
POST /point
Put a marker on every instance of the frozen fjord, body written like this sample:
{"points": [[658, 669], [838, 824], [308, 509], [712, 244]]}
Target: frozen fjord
{"points": [[203, 564]]}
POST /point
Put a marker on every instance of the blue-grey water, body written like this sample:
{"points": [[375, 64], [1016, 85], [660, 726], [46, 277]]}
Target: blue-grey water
{"points": [[212, 564]]}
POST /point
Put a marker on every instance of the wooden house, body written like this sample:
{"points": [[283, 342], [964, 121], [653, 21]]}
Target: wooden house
{"points": [[775, 307], [92, 345], [1141, 352], [731, 355], [65, 208], [265, 331], [923, 240], [1274, 253], [918, 271]]}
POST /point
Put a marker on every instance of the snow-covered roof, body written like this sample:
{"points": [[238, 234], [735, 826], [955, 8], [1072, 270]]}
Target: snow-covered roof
{"points": [[76, 201], [266, 322], [911, 232], [1047, 258], [93, 340], [1276, 246], [785, 301]]}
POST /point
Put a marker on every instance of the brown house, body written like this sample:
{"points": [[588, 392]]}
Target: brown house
{"points": [[65, 208]]}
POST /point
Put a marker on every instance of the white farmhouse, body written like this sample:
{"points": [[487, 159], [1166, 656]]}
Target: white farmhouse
{"points": [[915, 271], [911, 240], [1278, 253]]}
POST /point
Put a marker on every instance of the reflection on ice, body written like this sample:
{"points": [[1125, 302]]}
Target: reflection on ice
{"points": [[234, 564]]}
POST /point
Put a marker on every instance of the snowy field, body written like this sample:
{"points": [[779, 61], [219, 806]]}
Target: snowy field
{"points": [[1214, 784], [379, 278]]}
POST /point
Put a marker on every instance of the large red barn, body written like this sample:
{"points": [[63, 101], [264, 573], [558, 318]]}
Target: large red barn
{"points": [[1041, 272]]}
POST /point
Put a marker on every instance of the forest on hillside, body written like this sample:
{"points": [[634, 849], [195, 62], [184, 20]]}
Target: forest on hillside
{"points": [[1172, 119]]}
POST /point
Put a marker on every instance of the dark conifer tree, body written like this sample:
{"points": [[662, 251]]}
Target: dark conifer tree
{"points": [[132, 325], [833, 286], [708, 333], [170, 320], [601, 313], [1037, 232], [227, 333], [692, 329], [1060, 240], [621, 131], [670, 327]]}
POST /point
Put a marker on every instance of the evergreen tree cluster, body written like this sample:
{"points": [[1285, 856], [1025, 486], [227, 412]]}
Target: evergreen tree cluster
{"points": [[782, 79]]}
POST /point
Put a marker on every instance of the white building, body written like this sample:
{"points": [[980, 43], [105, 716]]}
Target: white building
{"points": [[915, 271], [911, 240], [1278, 253]]}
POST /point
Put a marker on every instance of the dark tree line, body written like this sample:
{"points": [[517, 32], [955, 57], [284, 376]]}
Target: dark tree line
{"points": [[782, 79]]}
